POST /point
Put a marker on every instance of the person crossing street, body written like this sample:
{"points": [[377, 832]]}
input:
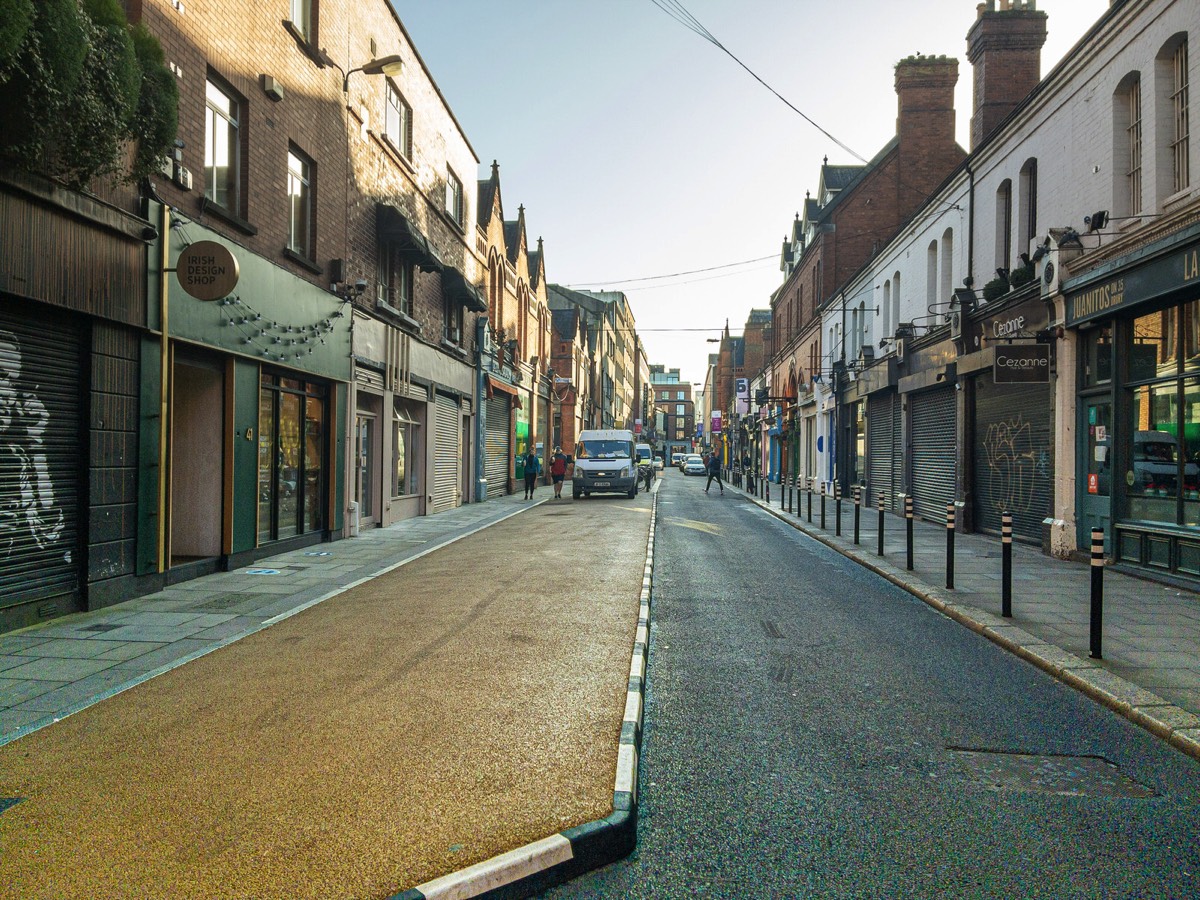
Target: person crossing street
{"points": [[714, 471]]}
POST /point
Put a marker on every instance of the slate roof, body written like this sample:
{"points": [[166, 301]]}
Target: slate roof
{"points": [[759, 317]]}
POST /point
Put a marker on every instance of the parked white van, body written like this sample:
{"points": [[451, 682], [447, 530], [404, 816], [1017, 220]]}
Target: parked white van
{"points": [[605, 462]]}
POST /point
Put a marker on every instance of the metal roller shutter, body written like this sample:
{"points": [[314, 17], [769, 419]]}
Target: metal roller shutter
{"points": [[497, 452], [933, 452], [1014, 459], [883, 449], [40, 453], [447, 462]]}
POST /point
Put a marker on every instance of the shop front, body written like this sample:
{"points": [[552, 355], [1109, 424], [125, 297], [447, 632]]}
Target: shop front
{"points": [[1137, 320], [877, 434], [930, 395]]}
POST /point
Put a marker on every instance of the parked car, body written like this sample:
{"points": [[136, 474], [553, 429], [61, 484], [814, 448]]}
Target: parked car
{"points": [[1156, 465], [693, 464]]}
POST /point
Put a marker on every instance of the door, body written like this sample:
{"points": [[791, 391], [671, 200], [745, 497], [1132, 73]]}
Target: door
{"points": [[1093, 486], [447, 461], [197, 476], [365, 489]]}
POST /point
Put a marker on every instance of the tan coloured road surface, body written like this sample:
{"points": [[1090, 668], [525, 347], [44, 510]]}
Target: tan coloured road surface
{"points": [[463, 705]]}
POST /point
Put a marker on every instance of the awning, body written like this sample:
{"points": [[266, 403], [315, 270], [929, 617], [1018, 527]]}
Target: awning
{"points": [[456, 286], [393, 227], [497, 384]]}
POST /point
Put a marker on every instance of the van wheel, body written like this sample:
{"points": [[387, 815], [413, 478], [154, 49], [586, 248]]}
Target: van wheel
{"points": [[633, 491], [576, 493]]}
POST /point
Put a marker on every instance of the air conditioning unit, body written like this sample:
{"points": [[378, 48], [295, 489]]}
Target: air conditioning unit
{"points": [[183, 177]]}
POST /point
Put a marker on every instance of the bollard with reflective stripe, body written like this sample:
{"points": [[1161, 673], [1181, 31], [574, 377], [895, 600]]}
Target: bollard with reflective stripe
{"points": [[767, 490], [857, 508], [881, 523], [791, 488], [811, 480], [1006, 565], [1097, 623], [837, 506], [822, 504], [950, 545], [908, 532]]}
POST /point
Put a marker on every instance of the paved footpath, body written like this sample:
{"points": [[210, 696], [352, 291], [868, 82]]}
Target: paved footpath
{"points": [[457, 721], [1149, 670]]}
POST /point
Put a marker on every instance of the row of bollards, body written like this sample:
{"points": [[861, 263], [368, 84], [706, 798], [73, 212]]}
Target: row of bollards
{"points": [[809, 485]]}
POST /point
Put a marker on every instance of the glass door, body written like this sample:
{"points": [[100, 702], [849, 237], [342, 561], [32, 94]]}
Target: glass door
{"points": [[1094, 465]]}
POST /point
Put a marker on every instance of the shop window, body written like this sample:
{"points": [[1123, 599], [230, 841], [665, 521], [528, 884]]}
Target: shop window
{"points": [[1097, 356], [292, 459], [406, 432], [1153, 353]]}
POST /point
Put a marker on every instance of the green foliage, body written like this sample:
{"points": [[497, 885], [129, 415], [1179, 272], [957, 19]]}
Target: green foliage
{"points": [[81, 87], [15, 18], [156, 119], [1020, 276], [995, 289]]}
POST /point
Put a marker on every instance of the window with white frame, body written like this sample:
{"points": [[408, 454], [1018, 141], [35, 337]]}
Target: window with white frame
{"points": [[1004, 224], [222, 147], [1179, 117], [397, 122], [1133, 138], [931, 275], [454, 197], [946, 288], [302, 17], [300, 203], [895, 301], [1027, 222], [889, 325]]}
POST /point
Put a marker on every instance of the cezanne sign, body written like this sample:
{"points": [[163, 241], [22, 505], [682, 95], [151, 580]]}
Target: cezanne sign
{"points": [[207, 270], [1022, 364]]}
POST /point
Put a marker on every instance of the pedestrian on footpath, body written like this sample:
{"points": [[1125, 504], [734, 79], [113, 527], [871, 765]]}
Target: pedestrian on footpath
{"points": [[646, 472], [714, 471], [533, 468], [558, 471]]}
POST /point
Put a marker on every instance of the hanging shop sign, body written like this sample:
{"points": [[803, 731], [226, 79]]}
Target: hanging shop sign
{"points": [[207, 270], [1022, 364]]}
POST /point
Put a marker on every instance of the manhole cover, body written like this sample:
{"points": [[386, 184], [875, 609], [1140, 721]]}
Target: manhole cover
{"points": [[9, 802], [1068, 776], [100, 629]]}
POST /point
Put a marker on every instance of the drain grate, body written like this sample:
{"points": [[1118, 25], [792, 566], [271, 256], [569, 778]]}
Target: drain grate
{"points": [[99, 629], [7, 803], [1066, 776]]}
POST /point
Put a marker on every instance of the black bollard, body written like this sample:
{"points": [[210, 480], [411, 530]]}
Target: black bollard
{"points": [[822, 504], [782, 482], [1006, 565], [767, 490], [950, 545], [908, 532], [837, 507], [810, 492], [881, 523], [1097, 623], [857, 508]]}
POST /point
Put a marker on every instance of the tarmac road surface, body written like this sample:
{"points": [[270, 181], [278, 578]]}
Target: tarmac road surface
{"points": [[457, 707]]}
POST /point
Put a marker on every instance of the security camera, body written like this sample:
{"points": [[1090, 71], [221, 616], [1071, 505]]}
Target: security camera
{"points": [[360, 286]]}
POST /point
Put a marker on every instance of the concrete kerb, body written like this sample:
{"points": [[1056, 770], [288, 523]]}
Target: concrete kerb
{"points": [[1147, 710], [543, 864]]}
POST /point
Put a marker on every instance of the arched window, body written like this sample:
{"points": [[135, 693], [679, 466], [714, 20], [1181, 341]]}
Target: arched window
{"points": [[1027, 221], [896, 301], [946, 281], [1127, 146], [889, 324], [931, 276], [1171, 107], [864, 330], [1004, 224]]}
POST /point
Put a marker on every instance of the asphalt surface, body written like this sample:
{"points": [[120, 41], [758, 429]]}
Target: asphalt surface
{"points": [[430, 718], [812, 730]]}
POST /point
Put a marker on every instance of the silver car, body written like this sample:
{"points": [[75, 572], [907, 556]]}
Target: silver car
{"points": [[693, 464]]}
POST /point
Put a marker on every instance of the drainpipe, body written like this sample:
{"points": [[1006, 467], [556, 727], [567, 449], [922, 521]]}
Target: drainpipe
{"points": [[970, 221], [164, 363], [480, 412]]}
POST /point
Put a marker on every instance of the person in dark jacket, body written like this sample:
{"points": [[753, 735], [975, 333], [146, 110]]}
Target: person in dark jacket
{"points": [[533, 468], [714, 471]]}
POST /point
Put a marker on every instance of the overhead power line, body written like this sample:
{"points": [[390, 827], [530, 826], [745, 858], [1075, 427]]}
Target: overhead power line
{"points": [[677, 11], [744, 262]]}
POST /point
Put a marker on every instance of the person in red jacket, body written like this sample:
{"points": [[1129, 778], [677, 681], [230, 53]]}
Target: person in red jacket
{"points": [[558, 471]]}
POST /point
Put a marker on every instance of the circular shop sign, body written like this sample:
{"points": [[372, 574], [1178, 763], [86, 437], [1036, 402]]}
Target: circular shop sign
{"points": [[207, 270]]}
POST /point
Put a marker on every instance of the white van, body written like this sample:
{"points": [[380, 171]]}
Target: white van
{"points": [[605, 462]]}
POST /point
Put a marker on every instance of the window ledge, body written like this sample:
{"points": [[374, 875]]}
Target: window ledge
{"points": [[217, 211], [303, 261], [394, 152], [453, 349], [303, 43], [399, 318], [453, 222], [1178, 198]]}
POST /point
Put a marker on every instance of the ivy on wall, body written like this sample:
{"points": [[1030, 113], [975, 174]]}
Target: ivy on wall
{"points": [[80, 87]]}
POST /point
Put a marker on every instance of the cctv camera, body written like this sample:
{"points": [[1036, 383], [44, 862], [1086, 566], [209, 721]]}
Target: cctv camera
{"points": [[360, 286]]}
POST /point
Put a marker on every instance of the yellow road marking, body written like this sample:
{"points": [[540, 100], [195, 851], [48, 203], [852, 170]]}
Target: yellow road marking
{"points": [[706, 527]]}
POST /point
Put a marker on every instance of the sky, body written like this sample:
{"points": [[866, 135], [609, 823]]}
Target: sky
{"points": [[640, 150]]}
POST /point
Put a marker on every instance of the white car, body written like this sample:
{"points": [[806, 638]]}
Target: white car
{"points": [[658, 463], [693, 464]]}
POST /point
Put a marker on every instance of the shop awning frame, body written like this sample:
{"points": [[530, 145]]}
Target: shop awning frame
{"points": [[394, 227]]}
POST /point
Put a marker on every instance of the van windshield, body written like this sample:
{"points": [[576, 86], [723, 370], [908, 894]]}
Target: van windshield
{"points": [[603, 450]]}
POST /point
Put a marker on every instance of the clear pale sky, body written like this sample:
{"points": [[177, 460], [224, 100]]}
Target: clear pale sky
{"points": [[639, 149]]}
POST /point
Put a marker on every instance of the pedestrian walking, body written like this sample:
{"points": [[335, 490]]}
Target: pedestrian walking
{"points": [[714, 471], [533, 468], [646, 472], [558, 471]]}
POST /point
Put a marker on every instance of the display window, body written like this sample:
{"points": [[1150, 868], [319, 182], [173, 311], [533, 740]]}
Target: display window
{"points": [[293, 463]]}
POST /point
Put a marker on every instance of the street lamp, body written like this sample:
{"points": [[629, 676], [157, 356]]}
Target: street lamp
{"points": [[384, 65]]}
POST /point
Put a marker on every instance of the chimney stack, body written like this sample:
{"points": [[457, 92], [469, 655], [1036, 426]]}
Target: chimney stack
{"points": [[1004, 47], [925, 123]]}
